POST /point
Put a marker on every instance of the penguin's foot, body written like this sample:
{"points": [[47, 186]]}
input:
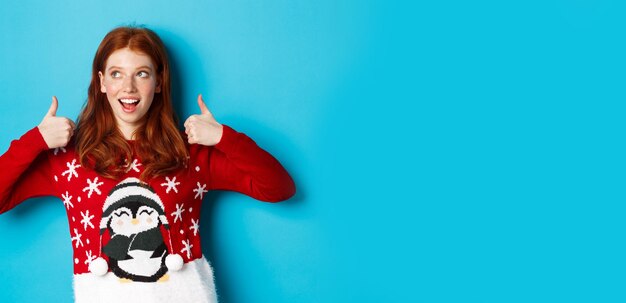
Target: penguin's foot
{"points": [[165, 278], [124, 280]]}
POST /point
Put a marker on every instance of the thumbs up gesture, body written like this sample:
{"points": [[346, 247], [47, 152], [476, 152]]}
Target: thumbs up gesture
{"points": [[56, 131], [203, 128]]}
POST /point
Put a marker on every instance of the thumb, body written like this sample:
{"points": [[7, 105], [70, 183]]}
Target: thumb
{"points": [[53, 107], [203, 108]]}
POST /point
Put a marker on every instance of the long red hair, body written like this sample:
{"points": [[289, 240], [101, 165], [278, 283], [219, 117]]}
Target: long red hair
{"points": [[158, 142]]}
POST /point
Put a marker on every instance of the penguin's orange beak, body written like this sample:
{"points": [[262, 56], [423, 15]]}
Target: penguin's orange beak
{"points": [[134, 221]]}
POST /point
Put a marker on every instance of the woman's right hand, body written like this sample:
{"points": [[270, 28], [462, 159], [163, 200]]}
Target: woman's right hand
{"points": [[56, 131]]}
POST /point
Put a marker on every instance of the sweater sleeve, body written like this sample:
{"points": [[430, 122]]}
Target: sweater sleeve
{"points": [[237, 163], [26, 171]]}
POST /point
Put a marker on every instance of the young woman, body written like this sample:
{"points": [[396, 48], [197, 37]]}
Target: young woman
{"points": [[131, 182]]}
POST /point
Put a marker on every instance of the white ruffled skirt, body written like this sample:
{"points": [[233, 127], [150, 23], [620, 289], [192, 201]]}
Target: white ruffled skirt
{"points": [[193, 283]]}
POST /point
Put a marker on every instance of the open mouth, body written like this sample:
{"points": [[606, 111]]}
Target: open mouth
{"points": [[128, 104]]}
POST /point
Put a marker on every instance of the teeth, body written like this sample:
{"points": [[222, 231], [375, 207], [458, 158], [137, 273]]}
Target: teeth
{"points": [[129, 101]]}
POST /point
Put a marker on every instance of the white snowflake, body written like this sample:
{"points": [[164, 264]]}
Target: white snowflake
{"points": [[171, 184], [187, 248], [178, 214], [86, 221], [133, 166], [200, 191], [56, 150], [71, 170], [93, 186], [90, 257], [194, 226], [67, 200], [76, 238]]}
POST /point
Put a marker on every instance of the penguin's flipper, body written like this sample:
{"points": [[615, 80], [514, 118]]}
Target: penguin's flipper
{"points": [[147, 240], [117, 247], [159, 251]]}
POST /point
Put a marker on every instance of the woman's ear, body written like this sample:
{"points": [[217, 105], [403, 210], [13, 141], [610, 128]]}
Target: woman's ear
{"points": [[158, 86], [102, 87]]}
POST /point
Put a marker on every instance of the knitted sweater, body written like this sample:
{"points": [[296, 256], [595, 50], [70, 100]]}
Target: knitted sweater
{"points": [[134, 228]]}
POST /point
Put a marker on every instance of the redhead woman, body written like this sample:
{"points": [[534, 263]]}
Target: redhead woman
{"points": [[131, 182]]}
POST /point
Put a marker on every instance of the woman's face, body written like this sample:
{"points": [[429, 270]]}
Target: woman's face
{"points": [[129, 79]]}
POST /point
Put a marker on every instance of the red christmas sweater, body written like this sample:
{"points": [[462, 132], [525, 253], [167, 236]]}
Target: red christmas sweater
{"points": [[131, 224]]}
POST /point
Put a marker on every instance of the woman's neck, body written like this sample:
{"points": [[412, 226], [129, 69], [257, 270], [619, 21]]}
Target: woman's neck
{"points": [[128, 131]]}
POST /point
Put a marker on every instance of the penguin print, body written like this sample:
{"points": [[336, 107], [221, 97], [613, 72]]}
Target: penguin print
{"points": [[133, 215]]}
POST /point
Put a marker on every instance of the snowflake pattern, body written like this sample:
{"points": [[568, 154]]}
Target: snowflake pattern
{"points": [[187, 248], [194, 226], [90, 257], [178, 214], [133, 166], [200, 190], [86, 221], [93, 186], [71, 170], [77, 237], [67, 200], [171, 184], [80, 241]]}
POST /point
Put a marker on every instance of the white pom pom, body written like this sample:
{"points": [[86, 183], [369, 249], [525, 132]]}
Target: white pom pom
{"points": [[99, 266], [174, 262]]}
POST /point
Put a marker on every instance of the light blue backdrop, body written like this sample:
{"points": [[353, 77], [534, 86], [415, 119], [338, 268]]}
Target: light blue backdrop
{"points": [[444, 151]]}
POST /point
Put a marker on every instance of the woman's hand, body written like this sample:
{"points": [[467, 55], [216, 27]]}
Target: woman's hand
{"points": [[203, 128], [56, 131]]}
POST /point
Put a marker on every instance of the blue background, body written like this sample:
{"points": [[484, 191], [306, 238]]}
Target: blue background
{"points": [[444, 151]]}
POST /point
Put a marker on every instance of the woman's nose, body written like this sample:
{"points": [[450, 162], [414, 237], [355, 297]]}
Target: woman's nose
{"points": [[129, 84]]}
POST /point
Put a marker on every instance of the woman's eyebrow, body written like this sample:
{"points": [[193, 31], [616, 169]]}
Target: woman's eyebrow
{"points": [[140, 67]]}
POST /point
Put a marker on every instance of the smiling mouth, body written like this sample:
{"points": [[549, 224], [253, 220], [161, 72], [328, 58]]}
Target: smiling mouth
{"points": [[129, 105]]}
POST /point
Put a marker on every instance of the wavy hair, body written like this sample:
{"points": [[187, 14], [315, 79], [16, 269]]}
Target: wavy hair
{"points": [[158, 142]]}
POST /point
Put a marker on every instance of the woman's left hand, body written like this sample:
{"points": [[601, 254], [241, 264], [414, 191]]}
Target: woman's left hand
{"points": [[203, 128]]}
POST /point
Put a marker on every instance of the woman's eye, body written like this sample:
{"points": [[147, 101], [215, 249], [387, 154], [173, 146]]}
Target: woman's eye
{"points": [[116, 74], [143, 74]]}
